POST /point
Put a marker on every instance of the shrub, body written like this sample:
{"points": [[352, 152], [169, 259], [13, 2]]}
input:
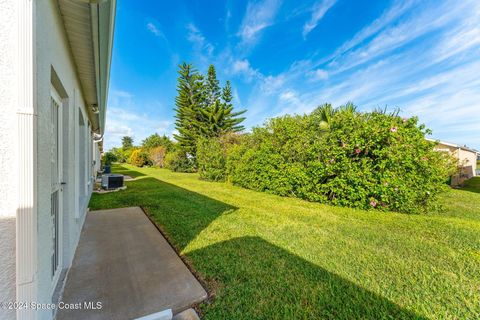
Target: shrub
{"points": [[122, 155], [157, 156], [139, 158], [155, 140], [362, 160], [375, 160], [274, 158], [212, 156], [179, 161], [108, 158]]}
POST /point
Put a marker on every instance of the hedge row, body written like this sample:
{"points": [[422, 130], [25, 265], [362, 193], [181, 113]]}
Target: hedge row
{"points": [[362, 160]]}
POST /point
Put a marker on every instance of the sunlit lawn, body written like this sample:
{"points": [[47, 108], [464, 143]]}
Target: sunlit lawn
{"points": [[268, 257]]}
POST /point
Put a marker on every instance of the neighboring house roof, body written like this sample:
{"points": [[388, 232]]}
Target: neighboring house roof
{"points": [[89, 25], [454, 145]]}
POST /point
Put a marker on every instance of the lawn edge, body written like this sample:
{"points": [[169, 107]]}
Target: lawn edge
{"points": [[204, 283]]}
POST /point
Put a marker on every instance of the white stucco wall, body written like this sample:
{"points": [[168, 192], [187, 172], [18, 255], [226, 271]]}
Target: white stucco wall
{"points": [[53, 51], [8, 132]]}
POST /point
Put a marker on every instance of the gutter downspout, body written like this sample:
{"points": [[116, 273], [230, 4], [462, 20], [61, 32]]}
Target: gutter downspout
{"points": [[97, 137]]}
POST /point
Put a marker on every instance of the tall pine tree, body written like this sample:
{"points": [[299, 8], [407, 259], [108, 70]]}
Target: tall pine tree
{"points": [[189, 101], [232, 119], [212, 86], [218, 116], [203, 108]]}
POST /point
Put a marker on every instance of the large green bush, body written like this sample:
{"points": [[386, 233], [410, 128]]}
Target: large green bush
{"points": [[212, 155], [179, 161], [363, 160], [122, 155], [157, 156], [211, 159], [108, 158], [140, 158]]}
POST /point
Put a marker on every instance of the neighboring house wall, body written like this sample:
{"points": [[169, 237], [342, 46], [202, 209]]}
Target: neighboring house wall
{"points": [[8, 150], [467, 162]]}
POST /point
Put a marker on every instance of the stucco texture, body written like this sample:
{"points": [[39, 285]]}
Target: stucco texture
{"points": [[53, 52], [8, 130]]}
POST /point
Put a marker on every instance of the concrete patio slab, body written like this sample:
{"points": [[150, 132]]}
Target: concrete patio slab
{"points": [[124, 263], [188, 314]]}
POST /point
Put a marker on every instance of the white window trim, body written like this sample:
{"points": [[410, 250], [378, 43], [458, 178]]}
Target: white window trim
{"points": [[54, 94]]}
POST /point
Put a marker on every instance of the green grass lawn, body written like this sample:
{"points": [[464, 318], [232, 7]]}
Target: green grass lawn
{"points": [[267, 257]]}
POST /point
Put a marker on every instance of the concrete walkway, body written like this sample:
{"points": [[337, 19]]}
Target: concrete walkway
{"points": [[124, 263]]}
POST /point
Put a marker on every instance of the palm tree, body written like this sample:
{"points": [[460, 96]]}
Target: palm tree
{"points": [[349, 108], [325, 113]]}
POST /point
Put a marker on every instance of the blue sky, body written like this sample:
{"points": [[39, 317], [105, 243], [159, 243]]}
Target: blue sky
{"points": [[290, 56]]}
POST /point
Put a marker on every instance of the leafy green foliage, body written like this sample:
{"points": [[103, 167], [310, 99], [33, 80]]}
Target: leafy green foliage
{"points": [[157, 156], [155, 140], [211, 159], [343, 157], [179, 161], [139, 158], [127, 142], [122, 155], [212, 156], [109, 158]]}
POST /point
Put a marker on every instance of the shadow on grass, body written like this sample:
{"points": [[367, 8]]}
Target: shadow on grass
{"points": [[180, 212], [118, 168], [258, 280], [249, 277], [472, 185]]}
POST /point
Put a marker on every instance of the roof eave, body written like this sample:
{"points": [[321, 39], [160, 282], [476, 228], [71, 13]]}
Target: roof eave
{"points": [[103, 26], [89, 26]]}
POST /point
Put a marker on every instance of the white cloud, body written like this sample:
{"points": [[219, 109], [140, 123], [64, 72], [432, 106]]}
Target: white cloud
{"points": [[125, 119], [318, 11], [397, 35], [244, 68], [236, 98], [423, 59], [318, 74], [196, 37], [259, 15], [122, 94], [273, 84], [288, 95], [391, 14], [203, 49], [154, 29]]}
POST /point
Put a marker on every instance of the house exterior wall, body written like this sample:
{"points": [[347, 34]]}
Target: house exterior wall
{"points": [[36, 60], [8, 150], [467, 162], [54, 57], [53, 68]]}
